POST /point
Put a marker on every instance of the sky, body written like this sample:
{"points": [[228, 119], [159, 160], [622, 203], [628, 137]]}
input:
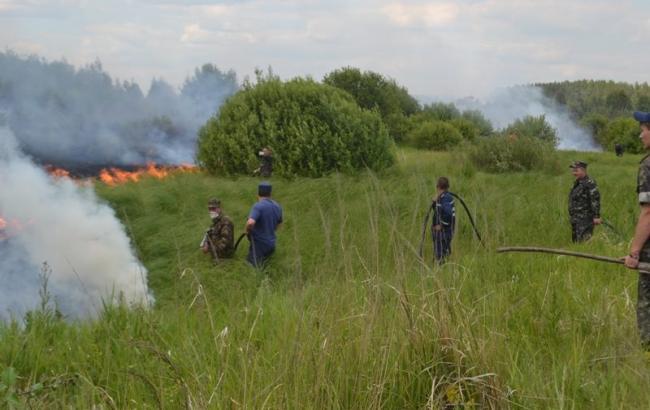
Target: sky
{"points": [[437, 49]]}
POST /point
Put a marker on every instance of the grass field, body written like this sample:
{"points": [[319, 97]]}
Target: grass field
{"points": [[347, 315]]}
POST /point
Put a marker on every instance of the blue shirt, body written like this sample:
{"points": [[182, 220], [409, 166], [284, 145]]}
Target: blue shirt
{"points": [[267, 215], [445, 212]]}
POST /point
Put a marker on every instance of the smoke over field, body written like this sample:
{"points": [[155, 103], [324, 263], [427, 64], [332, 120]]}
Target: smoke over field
{"points": [[78, 118], [58, 222], [505, 106]]}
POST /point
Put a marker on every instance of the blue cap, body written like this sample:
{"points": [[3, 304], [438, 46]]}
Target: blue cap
{"points": [[264, 189], [642, 116]]}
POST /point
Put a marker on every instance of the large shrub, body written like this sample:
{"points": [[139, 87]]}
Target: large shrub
{"points": [[624, 131], [533, 127], [511, 153], [312, 129], [435, 135]]}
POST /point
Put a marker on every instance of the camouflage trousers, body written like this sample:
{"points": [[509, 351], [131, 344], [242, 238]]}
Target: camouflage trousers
{"points": [[582, 230], [643, 309]]}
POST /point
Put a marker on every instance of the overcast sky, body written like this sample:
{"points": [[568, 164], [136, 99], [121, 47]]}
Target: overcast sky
{"points": [[448, 49]]}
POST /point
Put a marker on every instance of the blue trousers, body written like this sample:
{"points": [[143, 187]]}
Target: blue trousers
{"points": [[259, 252], [442, 244]]}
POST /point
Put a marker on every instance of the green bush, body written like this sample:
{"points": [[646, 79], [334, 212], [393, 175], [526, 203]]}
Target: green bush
{"points": [[312, 129], [533, 127], [467, 129], [511, 154], [624, 131], [481, 123], [435, 135]]}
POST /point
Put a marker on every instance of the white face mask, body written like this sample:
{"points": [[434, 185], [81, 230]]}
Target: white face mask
{"points": [[214, 215]]}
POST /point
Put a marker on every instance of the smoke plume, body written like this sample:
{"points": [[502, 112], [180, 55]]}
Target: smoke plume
{"points": [[507, 105], [76, 118], [63, 224]]}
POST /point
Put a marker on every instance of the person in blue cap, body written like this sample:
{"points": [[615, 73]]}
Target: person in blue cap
{"points": [[640, 248], [263, 220]]}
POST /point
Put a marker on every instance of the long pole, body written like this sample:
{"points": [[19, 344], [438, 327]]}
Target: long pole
{"points": [[644, 267]]}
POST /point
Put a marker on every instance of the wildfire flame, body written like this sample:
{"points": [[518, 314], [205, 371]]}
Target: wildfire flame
{"points": [[9, 228], [115, 176]]}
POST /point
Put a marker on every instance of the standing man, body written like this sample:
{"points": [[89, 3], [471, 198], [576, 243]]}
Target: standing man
{"points": [[584, 203], [264, 218], [640, 248], [444, 220], [266, 163], [219, 239]]}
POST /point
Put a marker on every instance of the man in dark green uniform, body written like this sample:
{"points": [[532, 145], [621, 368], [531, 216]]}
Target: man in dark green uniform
{"points": [[640, 248], [219, 239], [584, 203]]}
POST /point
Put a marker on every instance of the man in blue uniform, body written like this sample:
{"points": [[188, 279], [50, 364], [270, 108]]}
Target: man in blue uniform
{"points": [[263, 220], [444, 220]]}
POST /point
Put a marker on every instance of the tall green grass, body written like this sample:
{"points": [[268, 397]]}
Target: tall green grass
{"points": [[347, 315]]}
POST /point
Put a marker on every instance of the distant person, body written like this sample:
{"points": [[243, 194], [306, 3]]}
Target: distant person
{"points": [[640, 248], [618, 148], [264, 218], [266, 163], [444, 220], [584, 203], [219, 239]]}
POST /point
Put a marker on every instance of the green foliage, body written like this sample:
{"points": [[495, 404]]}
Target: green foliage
{"points": [[435, 135], [643, 103], [312, 128], [510, 153], [440, 111], [533, 127], [372, 91], [466, 127], [596, 124], [618, 101], [481, 123], [348, 315], [624, 131]]}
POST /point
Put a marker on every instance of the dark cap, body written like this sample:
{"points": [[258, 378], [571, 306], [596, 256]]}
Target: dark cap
{"points": [[264, 189], [214, 203], [642, 116], [578, 164]]}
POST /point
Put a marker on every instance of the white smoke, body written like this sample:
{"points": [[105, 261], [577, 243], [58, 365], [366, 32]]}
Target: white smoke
{"points": [[80, 118], [505, 106], [63, 224]]}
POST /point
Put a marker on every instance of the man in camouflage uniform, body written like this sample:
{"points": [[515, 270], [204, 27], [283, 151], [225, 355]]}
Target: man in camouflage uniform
{"points": [[584, 204], [220, 237], [640, 248], [266, 163]]}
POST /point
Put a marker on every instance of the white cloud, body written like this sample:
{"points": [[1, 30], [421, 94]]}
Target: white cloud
{"points": [[434, 14]]}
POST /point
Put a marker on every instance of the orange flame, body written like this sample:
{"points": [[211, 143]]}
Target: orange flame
{"points": [[9, 227], [115, 176], [57, 173]]}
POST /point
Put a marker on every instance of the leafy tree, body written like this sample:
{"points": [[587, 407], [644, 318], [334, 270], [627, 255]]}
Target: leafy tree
{"points": [[374, 91], [440, 111], [624, 131], [467, 128], [643, 103], [435, 135], [482, 124], [618, 101], [312, 129], [596, 124], [512, 153], [533, 127]]}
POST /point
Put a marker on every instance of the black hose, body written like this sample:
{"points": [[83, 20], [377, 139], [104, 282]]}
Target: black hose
{"points": [[469, 214], [424, 228], [239, 240]]}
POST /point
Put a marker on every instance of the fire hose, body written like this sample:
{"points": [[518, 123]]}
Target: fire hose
{"points": [[426, 220], [644, 267]]}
